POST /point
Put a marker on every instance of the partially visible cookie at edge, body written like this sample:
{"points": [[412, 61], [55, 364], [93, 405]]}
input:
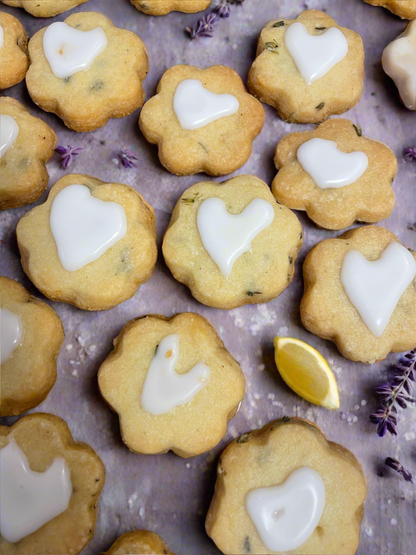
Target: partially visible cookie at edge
{"points": [[163, 7], [139, 542], [406, 9], [14, 61], [44, 8]]}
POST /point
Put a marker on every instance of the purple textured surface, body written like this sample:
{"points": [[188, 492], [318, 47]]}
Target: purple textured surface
{"points": [[166, 493]]}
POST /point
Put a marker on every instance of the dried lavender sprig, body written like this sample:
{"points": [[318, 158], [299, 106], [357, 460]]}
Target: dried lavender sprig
{"points": [[223, 9], [409, 154], [399, 468], [67, 154], [204, 27], [127, 158]]}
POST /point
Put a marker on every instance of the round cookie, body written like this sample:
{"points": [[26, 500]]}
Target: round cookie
{"points": [[172, 383], [406, 9], [360, 292], [139, 542], [203, 120], [31, 338], [13, 46], [231, 243], [287, 477], [335, 188], [44, 8], [303, 86], [26, 148], [162, 7], [102, 78], [91, 244], [55, 514]]}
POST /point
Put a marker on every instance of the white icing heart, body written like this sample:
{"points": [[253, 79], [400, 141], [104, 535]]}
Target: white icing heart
{"points": [[164, 389], [69, 50], [227, 236], [30, 499], [328, 166], [84, 227], [315, 55], [285, 516], [196, 107], [11, 333], [375, 287], [9, 130]]}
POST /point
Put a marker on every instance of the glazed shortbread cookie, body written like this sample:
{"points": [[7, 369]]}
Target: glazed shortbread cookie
{"points": [[26, 144], [50, 486], [13, 45], [336, 174], [31, 337], [162, 7], [287, 489], [90, 244], [231, 243], [44, 8], [87, 71], [139, 542], [172, 383], [406, 9], [308, 68], [202, 120], [360, 292]]}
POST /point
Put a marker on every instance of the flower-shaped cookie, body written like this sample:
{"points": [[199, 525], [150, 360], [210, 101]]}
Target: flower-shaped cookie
{"points": [[50, 486], [139, 542], [231, 243], [406, 9], [287, 489], [31, 337], [336, 174], [360, 292], [87, 71], [13, 45], [162, 7], [399, 62], [172, 383], [203, 120], [308, 68], [26, 144], [44, 8], [90, 244]]}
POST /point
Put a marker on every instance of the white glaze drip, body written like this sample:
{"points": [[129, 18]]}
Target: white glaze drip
{"points": [[9, 130], [11, 333], [1, 36]]}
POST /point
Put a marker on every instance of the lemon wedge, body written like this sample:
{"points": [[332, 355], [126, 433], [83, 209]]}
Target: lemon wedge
{"points": [[306, 372]]}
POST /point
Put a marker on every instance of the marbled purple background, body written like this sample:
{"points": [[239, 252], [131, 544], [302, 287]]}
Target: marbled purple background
{"points": [[165, 493]]}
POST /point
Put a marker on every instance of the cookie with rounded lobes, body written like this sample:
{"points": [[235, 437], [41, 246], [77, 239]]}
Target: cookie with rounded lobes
{"points": [[231, 243], [87, 71], [308, 68], [287, 489], [61, 481], [44, 8], [91, 244], [31, 338], [26, 144], [162, 7], [406, 9], [203, 120], [172, 383], [13, 46], [336, 174], [360, 292], [139, 542]]}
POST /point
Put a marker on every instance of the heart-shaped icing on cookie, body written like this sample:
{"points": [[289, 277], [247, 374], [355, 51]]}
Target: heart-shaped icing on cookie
{"points": [[375, 287], [9, 130], [227, 236], [328, 166], [30, 499], [69, 50], [315, 55], [196, 107], [84, 227], [285, 516], [164, 389], [11, 333]]}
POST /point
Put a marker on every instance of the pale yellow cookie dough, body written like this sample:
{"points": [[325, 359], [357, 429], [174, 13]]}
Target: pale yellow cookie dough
{"points": [[370, 199], [43, 438], [257, 276], [326, 310], [267, 457], [218, 148], [406, 9], [162, 7], [23, 173], [275, 79], [139, 542], [111, 279], [111, 88], [14, 61], [44, 8], [188, 430]]}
